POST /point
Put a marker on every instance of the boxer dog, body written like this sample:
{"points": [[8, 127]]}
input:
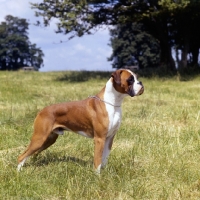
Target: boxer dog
{"points": [[96, 117]]}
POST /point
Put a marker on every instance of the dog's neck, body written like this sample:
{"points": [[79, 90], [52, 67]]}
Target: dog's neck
{"points": [[111, 95]]}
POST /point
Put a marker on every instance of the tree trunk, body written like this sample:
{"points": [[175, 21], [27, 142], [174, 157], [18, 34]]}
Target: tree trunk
{"points": [[166, 55], [3, 65], [184, 54], [160, 31], [195, 55]]}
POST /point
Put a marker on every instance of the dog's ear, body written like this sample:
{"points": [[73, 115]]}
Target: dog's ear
{"points": [[117, 76]]}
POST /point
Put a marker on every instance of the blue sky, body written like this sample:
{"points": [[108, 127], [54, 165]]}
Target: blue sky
{"points": [[84, 53]]}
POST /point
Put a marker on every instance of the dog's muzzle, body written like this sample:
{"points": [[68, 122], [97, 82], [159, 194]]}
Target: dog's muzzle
{"points": [[140, 88]]}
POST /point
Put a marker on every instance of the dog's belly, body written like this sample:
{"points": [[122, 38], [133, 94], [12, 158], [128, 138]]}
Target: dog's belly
{"points": [[60, 131], [83, 134]]}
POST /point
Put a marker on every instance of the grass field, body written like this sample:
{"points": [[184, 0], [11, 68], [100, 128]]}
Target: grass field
{"points": [[156, 152]]}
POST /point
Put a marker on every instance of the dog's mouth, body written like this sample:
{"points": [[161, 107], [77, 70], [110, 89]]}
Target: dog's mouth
{"points": [[139, 90]]}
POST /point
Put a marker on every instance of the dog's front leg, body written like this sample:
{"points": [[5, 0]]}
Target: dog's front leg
{"points": [[98, 152], [107, 149]]}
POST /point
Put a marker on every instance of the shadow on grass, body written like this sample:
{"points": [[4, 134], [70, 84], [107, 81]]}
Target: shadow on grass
{"points": [[159, 72], [82, 76], [46, 160], [164, 73]]}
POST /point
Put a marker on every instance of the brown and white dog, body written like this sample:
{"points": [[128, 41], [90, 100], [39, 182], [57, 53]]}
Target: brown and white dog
{"points": [[97, 117]]}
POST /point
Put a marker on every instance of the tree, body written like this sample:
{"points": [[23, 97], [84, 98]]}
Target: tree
{"points": [[186, 34], [16, 50], [132, 45], [166, 20], [175, 26]]}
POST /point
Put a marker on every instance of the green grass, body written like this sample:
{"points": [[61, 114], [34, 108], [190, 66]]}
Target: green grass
{"points": [[155, 155]]}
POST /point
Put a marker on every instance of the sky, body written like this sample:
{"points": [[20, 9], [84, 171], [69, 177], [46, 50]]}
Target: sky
{"points": [[89, 52]]}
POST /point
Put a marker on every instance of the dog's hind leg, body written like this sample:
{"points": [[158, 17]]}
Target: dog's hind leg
{"points": [[36, 147], [31, 149], [42, 138], [49, 141]]}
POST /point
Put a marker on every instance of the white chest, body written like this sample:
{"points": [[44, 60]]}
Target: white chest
{"points": [[114, 115], [113, 108]]}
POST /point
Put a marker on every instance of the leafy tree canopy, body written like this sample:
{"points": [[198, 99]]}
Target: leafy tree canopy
{"points": [[81, 16], [173, 23], [133, 46], [16, 50]]}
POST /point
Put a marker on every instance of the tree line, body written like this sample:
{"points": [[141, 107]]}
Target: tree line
{"points": [[16, 50], [149, 32]]}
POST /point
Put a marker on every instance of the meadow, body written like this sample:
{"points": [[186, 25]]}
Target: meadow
{"points": [[155, 155]]}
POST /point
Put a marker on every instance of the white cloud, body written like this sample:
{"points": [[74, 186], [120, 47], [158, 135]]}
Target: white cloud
{"points": [[18, 8], [88, 52], [82, 48]]}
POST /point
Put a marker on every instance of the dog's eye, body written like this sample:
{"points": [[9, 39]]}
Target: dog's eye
{"points": [[130, 80]]}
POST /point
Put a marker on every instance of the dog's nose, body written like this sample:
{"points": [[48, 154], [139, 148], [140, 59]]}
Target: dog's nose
{"points": [[139, 83]]}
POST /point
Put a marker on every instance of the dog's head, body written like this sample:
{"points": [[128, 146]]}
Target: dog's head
{"points": [[125, 81]]}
